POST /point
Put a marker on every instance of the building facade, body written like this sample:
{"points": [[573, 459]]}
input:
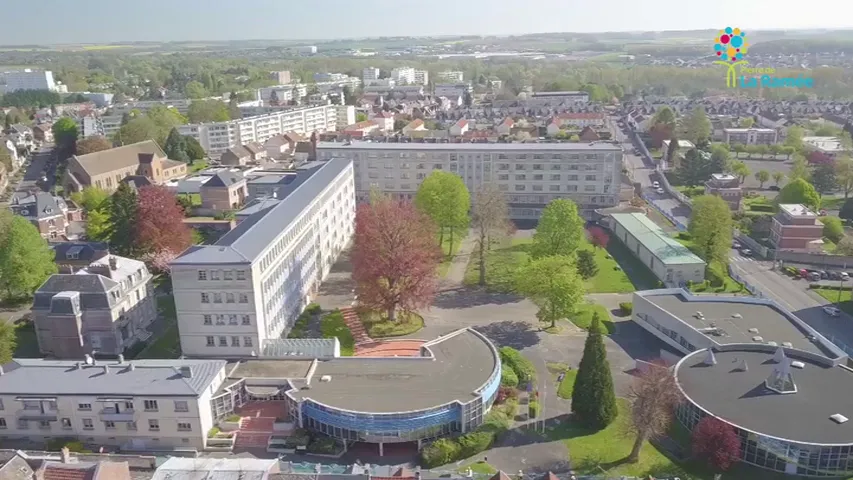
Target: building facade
{"points": [[281, 77], [726, 187], [750, 136], [451, 76], [30, 80], [249, 287], [530, 174], [107, 168], [369, 74], [404, 75], [51, 215], [796, 227]]}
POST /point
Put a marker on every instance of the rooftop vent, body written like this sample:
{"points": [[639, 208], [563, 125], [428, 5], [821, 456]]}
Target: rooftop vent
{"points": [[779, 356], [787, 345], [710, 359], [89, 359], [758, 339], [106, 369], [773, 344], [798, 364], [699, 315], [120, 358], [186, 372], [326, 378], [753, 330], [838, 418], [781, 380], [742, 366]]}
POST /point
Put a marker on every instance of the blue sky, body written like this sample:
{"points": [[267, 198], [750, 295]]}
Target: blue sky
{"points": [[100, 21]]}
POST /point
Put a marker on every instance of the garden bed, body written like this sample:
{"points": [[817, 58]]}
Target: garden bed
{"points": [[334, 326], [378, 326]]}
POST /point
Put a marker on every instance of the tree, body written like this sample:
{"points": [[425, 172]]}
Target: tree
{"points": [[695, 168], [159, 261], [490, 220], [832, 228], [746, 122], [93, 144], [360, 117], [552, 283], [174, 143], [844, 174], [720, 158], [560, 230], [26, 260], [160, 223], [137, 130], [98, 225], [697, 127], [194, 149], [394, 256], [593, 399], [213, 110], [234, 106], [778, 177], [65, 133], [824, 179], [653, 398], [664, 116], [587, 268], [715, 442], [799, 191], [8, 342], [799, 168], [598, 237], [444, 197], [90, 198], [740, 170], [794, 137], [195, 89], [123, 208], [845, 246], [846, 211], [671, 150], [762, 176], [710, 228]]}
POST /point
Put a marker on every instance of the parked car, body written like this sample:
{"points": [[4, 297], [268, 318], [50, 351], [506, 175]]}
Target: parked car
{"points": [[814, 276], [736, 245], [773, 188], [823, 275], [832, 311], [844, 276], [746, 252], [834, 275], [656, 184], [660, 191]]}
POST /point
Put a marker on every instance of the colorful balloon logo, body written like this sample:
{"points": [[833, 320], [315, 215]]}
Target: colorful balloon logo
{"points": [[730, 45]]}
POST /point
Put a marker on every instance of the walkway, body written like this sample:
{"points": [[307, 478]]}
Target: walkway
{"points": [[257, 423], [390, 348], [356, 327], [456, 273]]}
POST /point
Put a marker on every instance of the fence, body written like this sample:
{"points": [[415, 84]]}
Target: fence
{"points": [[818, 259], [735, 273], [753, 244]]}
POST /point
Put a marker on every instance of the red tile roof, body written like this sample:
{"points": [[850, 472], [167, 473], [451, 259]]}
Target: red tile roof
{"points": [[415, 123], [360, 125], [461, 123], [508, 121], [62, 471]]}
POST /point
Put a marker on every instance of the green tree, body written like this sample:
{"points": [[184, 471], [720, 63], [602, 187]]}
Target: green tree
{"points": [[137, 130], [799, 168], [746, 122], [360, 117], [762, 176], [98, 225], [593, 398], [824, 178], [799, 191], [8, 342], [720, 158], [844, 173], [65, 133], [552, 283], [444, 197], [587, 268], [234, 106], [560, 230], [664, 116], [174, 143], [846, 211], [710, 227], [740, 170], [123, 208], [778, 177], [794, 137], [697, 127], [194, 149], [195, 89], [695, 168], [93, 144], [91, 198], [26, 260], [833, 229], [203, 111]]}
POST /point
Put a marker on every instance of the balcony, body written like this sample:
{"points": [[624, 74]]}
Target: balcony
{"points": [[37, 414], [111, 415]]}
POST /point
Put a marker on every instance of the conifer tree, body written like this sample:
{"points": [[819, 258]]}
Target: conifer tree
{"points": [[593, 399]]}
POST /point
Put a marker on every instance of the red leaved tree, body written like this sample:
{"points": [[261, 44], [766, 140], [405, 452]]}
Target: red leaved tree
{"points": [[716, 442], [394, 256], [160, 222], [158, 261], [598, 237]]}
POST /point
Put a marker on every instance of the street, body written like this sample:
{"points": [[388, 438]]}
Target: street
{"points": [[39, 161]]}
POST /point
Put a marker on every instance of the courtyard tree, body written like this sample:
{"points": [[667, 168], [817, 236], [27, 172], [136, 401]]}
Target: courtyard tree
{"points": [[762, 176], [697, 126], [444, 197], [799, 191], [824, 178], [560, 230], [716, 443], [833, 229], [553, 284], [587, 268], [593, 398], [490, 220], [653, 397], [93, 144], [720, 158], [26, 260], [598, 237], [159, 223], [711, 228], [799, 168], [122, 218], [740, 170], [394, 256], [778, 177]]}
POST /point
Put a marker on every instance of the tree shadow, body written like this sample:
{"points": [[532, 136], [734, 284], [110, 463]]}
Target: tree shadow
{"points": [[513, 334], [637, 342], [466, 297]]}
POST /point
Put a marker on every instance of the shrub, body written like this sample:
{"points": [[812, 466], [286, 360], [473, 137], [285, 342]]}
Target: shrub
{"points": [[212, 432], [533, 409], [475, 442], [758, 207], [508, 377], [233, 418], [323, 445], [313, 309], [440, 452], [506, 393], [714, 276], [523, 368], [626, 308]]}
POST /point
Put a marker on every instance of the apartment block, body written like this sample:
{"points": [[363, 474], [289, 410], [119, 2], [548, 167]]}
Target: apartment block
{"points": [[369, 74], [403, 75], [796, 227], [281, 77], [132, 405], [421, 77], [750, 136], [450, 76], [105, 307], [249, 287], [218, 137], [531, 174]]}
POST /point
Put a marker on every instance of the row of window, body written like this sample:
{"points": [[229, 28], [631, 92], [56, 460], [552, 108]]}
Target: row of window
{"points": [[224, 275], [223, 341], [231, 319], [229, 297], [89, 424], [551, 178]]}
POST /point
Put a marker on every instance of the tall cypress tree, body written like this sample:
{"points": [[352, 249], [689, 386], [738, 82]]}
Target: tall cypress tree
{"points": [[593, 400], [123, 207]]}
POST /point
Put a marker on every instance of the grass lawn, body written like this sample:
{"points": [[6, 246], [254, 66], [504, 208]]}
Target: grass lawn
{"points": [[378, 327], [197, 166], [501, 264], [831, 294], [729, 283], [333, 325], [583, 316], [168, 344], [691, 192], [482, 468], [564, 390], [195, 198], [449, 253]]}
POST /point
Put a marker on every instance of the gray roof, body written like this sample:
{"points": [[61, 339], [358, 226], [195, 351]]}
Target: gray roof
{"points": [[492, 147], [257, 205], [136, 181], [24, 376], [98, 163], [92, 288], [86, 251], [300, 347], [38, 206], [178, 468], [223, 179], [251, 237]]}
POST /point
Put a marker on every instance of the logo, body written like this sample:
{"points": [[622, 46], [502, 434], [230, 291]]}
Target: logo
{"points": [[730, 47]]}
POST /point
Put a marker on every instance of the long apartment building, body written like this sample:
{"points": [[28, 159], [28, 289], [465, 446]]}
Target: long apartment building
{"points": [[218, 137], [250, 286], [531, 174]]}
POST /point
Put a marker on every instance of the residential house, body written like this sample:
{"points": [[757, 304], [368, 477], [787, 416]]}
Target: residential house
{"points": [[224, 191], [726, 187], [459, 128], [505, 127], [238, 156], [771, 120], [256, 151], [304, 152], [385, 121], [281, 145], [361, 129], [13, 466], [589, 135], [68, 470], [105, 307], [553, 127], [74, 256], [177, 468], [107, 168], [581, 119], [43, 133], [797, 228], [50, 214], [22, 136], [8, 144], [416, 125]]}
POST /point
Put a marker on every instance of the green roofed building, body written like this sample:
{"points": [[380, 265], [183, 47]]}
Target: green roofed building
{"points": [[670, 261]]}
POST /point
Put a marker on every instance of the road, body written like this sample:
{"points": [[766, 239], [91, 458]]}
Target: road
{"points": [[39, 162]]}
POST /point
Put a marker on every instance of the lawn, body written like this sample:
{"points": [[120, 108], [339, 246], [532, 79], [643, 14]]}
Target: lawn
{"points": [[482, 468], [378, 326], [168, 344], [195, 198], [831, 294], [583, 316], [444, 266], [333, 325], [567, 385], [197, 166]]}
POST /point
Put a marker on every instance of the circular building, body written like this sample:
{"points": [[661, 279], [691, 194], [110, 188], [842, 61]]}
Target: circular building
{"points": [[789, 407]]}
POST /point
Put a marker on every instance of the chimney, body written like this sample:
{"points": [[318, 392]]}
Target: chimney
{"points": [[187, 372], [65, 455], [113, 263]]}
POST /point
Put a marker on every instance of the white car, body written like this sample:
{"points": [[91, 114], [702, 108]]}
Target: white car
{"points": [[655, 184], [832, 311], [660, 191]]}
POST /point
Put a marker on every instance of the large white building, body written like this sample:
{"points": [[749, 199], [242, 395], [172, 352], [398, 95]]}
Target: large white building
{"points": [[421, 77], [452, 90], [217, 137], [451, 76], [404, 75], [30, 80], [369, 74], [531, 174], [249, 287]]}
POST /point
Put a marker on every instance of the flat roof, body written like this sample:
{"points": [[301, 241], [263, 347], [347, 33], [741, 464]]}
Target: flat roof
{"points": [[797, 210], [746, 130], [740, 397], [510, 147], [771, 323], [665, 248]]}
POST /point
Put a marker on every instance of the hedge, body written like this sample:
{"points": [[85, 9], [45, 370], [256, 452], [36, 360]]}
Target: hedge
{"points": [[626, 307], [533, 409], [508, 376], [523, 368], [444, 450]]}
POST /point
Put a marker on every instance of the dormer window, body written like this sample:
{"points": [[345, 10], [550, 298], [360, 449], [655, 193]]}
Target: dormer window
{"points": [[72, 256]]}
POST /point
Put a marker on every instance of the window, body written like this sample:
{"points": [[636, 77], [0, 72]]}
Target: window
{"points": [[247, 320], [232, 319], [151, 406], [217, 298], [66, 423], [131, 426], [503, 177], [229, 298], [590, 178], [214, 274], [519, 166], [537, 188], [521, 177], [241, 274], [184, 427], [519, 188], [235, 341], [154, 425], [220, 319], [88, 424], [1, 404], [181, 406], [228, 275], [210, 342], [205, 298], [3, 423], [84, 407], [109, 425], [537, 166], [208, 319], [554, 188], [202, 274], [247, 341], [556, 177], [223, 341], [589, 188], [243, 298]]}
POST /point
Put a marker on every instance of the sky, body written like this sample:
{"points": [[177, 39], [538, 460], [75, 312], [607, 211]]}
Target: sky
{"points": [[103, 21]]}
